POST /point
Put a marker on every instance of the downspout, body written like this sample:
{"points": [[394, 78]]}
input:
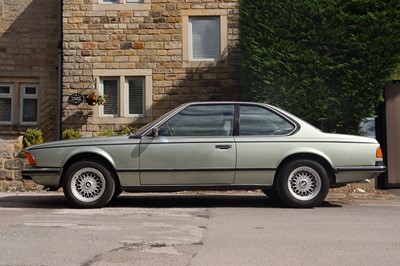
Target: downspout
{"points": [[60, 67]]}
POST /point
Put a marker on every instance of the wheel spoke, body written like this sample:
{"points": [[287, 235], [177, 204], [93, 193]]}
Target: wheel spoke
{"points": [[304, 183], [88, 184]]}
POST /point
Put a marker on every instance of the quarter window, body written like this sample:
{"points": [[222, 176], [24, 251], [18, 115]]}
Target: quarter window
{"points": [[260, 121], [216, 120]]}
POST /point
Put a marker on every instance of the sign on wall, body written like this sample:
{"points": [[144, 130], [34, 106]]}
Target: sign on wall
{"points": [[75, 99]]}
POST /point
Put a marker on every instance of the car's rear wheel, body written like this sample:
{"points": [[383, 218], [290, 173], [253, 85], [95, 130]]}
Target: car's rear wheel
{"points": [[270, 192], [88, 184], [302, 184]]}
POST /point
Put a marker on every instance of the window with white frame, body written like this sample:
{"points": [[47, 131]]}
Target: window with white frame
{"points": [[120, 1], [6, 106], [128, 94], [121, 5], [204, 37], [110, 89], [130, 102], [29, 104], [19, 101], [135, 95]]}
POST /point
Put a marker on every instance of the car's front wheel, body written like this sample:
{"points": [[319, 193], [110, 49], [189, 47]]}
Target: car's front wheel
{"points": [[302, 184], [88, 184]]}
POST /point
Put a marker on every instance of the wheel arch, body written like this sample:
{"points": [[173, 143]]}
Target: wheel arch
{"points": [[309, 156], [90, 156]]}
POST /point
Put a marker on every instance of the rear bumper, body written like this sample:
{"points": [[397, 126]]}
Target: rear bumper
{"points": [[43, 176], [376, 169], [354, 174]]}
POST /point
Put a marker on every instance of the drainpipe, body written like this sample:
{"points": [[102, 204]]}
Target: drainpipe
{"points": [[60, 68]]}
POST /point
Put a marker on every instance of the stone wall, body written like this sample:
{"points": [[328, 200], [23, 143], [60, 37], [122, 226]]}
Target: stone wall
{"points": [[11, 160], [28, 53], [143, 38]]}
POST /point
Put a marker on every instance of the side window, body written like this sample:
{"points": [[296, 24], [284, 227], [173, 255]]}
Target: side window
{"points": [[201, 120], [256, 120]]}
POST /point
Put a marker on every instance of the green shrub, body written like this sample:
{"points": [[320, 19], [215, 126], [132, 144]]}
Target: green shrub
{"points": [[105, 132], [32, 136], [128, 130], [325, 61], [71, 133]]}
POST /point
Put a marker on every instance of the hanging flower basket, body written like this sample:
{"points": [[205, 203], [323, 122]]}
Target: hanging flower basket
{"points": [[93, 99]]}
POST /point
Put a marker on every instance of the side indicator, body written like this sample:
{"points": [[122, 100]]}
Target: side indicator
{"points": [[379, 153], [30, 158]]}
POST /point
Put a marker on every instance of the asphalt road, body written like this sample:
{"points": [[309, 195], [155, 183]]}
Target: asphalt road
{"points": [[197, 229]]}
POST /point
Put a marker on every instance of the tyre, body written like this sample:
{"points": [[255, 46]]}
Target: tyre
{"points": [[302, 184], [270, 192], [88, 184]]}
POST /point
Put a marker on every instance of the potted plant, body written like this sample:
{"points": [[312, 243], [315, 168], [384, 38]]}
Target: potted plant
{"points": [[93, 99]]}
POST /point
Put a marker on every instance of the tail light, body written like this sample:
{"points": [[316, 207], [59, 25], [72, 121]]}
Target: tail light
{"points": [[30, 158], [379, 153]]}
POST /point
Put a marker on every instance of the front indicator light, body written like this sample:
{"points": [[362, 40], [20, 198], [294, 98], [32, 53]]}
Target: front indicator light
{"points": [[379, 153], [30, 158]]}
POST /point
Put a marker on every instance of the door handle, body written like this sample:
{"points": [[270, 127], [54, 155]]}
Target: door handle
{"points": [[223, 147]]}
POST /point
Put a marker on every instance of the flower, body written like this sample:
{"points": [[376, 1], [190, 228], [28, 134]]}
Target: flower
{"points": [[93, 99]]}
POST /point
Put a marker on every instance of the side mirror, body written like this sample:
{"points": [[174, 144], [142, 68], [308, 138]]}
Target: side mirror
{"points": [[155, 132]]}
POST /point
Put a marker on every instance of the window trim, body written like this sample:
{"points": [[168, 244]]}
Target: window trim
{"points": [[23, 96], [9, 95], [121, 5], [123, 117], [223, 31]]}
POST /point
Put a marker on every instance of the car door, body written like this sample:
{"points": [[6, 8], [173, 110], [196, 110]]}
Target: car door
{"points": [[194, 147], [261, 144]]}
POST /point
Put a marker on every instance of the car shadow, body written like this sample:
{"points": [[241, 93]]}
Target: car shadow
{"points": [[167, 200]]}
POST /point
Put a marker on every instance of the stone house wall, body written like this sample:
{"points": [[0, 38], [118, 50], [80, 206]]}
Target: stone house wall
{"points": [[148, 38], [11, 159], [28, 54]]}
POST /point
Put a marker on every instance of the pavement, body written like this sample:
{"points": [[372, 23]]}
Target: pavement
{"points": [[356, 192]]}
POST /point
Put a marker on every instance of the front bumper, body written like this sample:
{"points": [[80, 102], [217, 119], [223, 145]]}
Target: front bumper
{"points": [[43, 176]]}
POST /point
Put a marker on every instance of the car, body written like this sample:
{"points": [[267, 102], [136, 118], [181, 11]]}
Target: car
{"points": [[367, 127], [208, 146]]}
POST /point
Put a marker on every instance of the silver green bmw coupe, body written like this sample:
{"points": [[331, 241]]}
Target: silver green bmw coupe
{"points": [[208, 146]]}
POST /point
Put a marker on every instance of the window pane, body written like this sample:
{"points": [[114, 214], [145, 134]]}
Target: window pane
{"points": [[259, 121], [30, 90], [4, 89], [205, 37], [5, 109], [135, 95], [206, 120], [110, 90], [134, 1], [29, 110], [110, 1]]}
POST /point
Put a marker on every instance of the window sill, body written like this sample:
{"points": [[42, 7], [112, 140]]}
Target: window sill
{"points": [[136, 7], [204, 63], [122, 120]]}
